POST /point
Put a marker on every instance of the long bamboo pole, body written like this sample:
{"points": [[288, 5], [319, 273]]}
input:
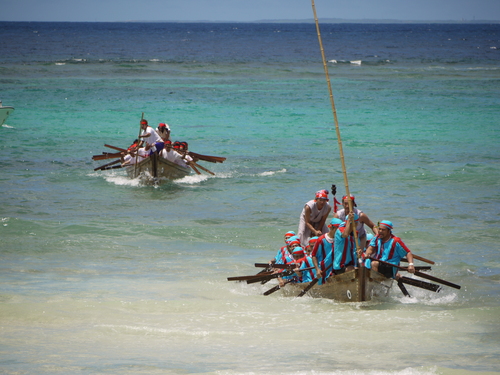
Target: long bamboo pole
{"points": [[337, 129], [138, 143]]}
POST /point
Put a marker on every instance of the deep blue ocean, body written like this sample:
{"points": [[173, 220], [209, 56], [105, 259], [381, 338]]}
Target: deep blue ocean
{"points": [[102, 274]]}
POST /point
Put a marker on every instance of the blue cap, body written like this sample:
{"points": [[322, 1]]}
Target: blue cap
{"points": [[335, 222], [387, 223]]}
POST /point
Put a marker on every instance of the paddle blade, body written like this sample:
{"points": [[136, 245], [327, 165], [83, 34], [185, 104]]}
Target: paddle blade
{"points": [[306, 289]]}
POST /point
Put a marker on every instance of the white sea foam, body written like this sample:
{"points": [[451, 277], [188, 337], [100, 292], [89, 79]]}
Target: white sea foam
{"points": [[271, 173], [192, 179]]}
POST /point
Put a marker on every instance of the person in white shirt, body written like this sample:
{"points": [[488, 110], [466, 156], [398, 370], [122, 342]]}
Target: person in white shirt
{"points": [[150, 136], [163, 130]]}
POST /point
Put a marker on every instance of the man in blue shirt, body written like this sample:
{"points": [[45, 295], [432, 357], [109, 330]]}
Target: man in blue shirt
{"points": [[388, 248]]}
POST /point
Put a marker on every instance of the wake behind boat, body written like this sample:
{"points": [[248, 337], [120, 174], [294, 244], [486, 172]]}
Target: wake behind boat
{"points": [[5, 111]]}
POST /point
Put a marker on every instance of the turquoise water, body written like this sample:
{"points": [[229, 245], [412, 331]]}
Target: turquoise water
{"points": [[104, 274]]}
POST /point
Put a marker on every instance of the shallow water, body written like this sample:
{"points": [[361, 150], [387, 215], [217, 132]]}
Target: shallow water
{"points": [[103, 274]]}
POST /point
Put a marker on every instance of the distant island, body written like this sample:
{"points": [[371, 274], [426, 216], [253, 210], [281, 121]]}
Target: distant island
{"points": [[334, 20]]}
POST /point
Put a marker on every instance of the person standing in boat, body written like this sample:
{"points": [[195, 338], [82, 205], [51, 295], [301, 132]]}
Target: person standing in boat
{"points": [[322, 254], [313, 217], [363, 219], [151, 137], [388, 248], [163, 130]]}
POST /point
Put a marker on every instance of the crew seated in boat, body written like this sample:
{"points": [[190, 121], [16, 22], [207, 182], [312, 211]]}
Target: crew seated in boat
{"points": [[388, 248], [298, 257], [284, 255], [306, 275], [310, 247], [134, 156], [163, 130], [345, 248], [363, 219], [323, 251], [176, 155], [151, 137], [133, 146]]}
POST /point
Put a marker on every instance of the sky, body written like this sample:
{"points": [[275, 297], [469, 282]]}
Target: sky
{"points": [[246, 10]]}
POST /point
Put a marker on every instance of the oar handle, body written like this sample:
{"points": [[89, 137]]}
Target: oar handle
{"points": [[419, 258], [274, 265]]}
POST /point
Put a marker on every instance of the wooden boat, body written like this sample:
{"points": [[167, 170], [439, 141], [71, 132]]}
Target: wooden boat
{"points": [[4, 113], [156, 167], [358, 285]]}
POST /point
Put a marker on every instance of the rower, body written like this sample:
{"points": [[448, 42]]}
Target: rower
{"points": [[310, 247], [388, 248], [284, 254], [345, 250], [322, 254], [163, 130], [298, 255]]}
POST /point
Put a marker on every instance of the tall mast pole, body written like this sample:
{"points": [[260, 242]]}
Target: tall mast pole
{"points": [[337, 129]]}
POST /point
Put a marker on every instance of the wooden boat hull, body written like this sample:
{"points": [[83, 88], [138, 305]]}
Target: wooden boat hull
{"points": [[4, 113], [155, 167], [358, 285]]}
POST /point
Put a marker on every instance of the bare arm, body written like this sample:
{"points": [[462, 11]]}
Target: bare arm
{"points": [[366, 220], [318, 270], [323, 220], [411, 267]]}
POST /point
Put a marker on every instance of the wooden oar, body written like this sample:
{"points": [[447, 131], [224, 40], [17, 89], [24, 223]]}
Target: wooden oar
{"points": [[420, 268], [191, 164], [116, 148], [277, 287], [107, 156], [114, 167], [106, 165], [269, 277], [211, 159], [403, 289], [419, 258], [420, 284], [249, 277], [307, 288], [205, 169], [421, 274], [274, 265]]}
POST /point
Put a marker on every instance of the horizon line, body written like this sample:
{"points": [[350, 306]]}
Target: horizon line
{"points": [[321, 20]]}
